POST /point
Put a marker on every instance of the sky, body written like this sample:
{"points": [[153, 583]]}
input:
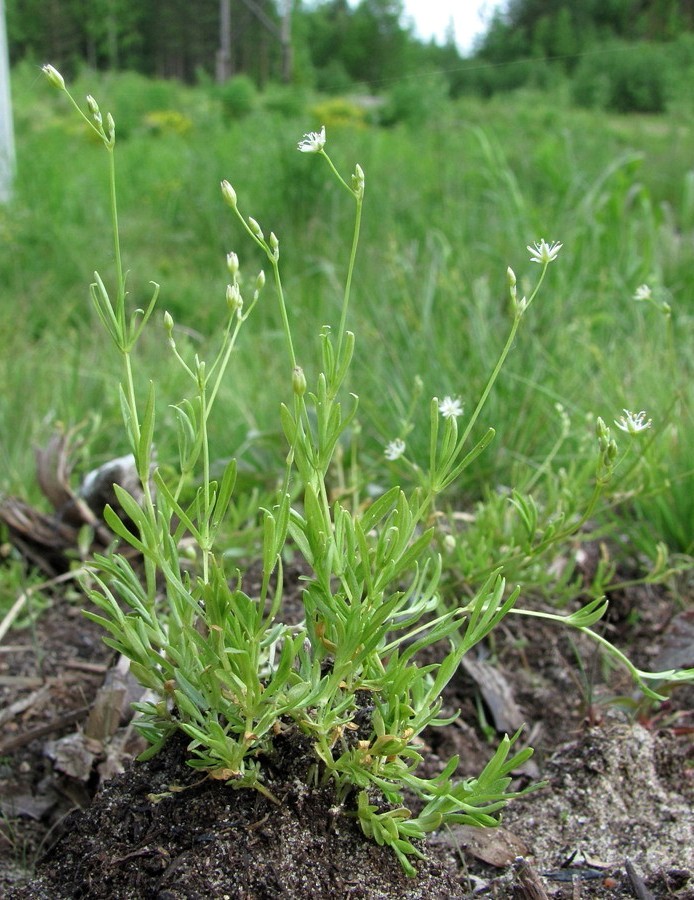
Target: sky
{"points": [[432, 17]]}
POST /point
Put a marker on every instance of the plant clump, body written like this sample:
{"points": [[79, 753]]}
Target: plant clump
{"points": [[222, 666]]}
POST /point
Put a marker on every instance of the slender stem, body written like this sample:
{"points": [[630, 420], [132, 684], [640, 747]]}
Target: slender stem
{"points": [[490, 382], [205, 523], [335, 172], [283, 311], [502, 359], [120, 280], [547, 462], [231, 341], [637, 674], [350, 272], [130, 396]]}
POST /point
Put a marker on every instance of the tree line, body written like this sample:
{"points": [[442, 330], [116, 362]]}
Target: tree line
{"points": [[562, 30], [333, 44]]}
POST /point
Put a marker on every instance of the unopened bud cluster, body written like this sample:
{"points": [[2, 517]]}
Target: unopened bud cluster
{"points": [[109, 134], [234, 299]]}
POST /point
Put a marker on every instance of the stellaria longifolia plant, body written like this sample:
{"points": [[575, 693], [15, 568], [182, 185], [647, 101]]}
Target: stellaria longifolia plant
{"points": [[223, 667]]}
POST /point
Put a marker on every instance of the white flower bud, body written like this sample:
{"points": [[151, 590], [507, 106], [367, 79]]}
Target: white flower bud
{"points": [[232, 264], [229, 194], [234, 299], [255, 228], [54, 77]]}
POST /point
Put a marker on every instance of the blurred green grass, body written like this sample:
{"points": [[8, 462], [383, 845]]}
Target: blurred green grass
{"points": [[449, 206]]}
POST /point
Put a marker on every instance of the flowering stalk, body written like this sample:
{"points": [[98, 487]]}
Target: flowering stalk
{"points": [[314, 142], [113, 315], [446, 462]]}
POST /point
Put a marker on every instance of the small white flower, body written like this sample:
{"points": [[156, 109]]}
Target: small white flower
{"points": [[543, 252], [394, 450], [451, 407], [643, 292], [633, 423], [313, 142]]}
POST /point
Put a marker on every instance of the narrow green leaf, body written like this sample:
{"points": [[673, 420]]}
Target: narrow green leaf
{"points": [[116, 525], [343, 362], [143, 315], [481, 445], [176, 506], [379, 509], [226, 490], [144, 449]]}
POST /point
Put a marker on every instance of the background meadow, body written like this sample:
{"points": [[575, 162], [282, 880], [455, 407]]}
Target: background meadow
{"points": [[454, 193]]}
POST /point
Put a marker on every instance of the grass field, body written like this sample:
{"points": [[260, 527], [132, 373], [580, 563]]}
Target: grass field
{"points": [[449, 205]]}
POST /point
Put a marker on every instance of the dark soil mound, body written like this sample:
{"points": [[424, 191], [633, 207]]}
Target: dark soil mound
{"points": [[161, 830]]}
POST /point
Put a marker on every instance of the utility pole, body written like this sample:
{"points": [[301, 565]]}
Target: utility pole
{"points": [[286, 41], [6, 130], [224, 53]]}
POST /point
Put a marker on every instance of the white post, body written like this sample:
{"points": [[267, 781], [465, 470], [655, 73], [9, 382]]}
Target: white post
{"points": [[6, 130]]}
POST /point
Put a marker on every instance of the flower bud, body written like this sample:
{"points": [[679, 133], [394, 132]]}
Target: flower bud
{"points": [[255, 228], [93, 105], [234, 299], [260, 282], [274, 245], [110, 127], [229, 194], [358, 181], [298, 381], [168, 323], [54, 77], [232, 264], [200, 368]]}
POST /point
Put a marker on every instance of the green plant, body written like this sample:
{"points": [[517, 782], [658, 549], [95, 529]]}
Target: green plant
{"points": [[339, 112], [416, 101], [224, 667], [630, 78], [167, 121], [238, 96]]}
